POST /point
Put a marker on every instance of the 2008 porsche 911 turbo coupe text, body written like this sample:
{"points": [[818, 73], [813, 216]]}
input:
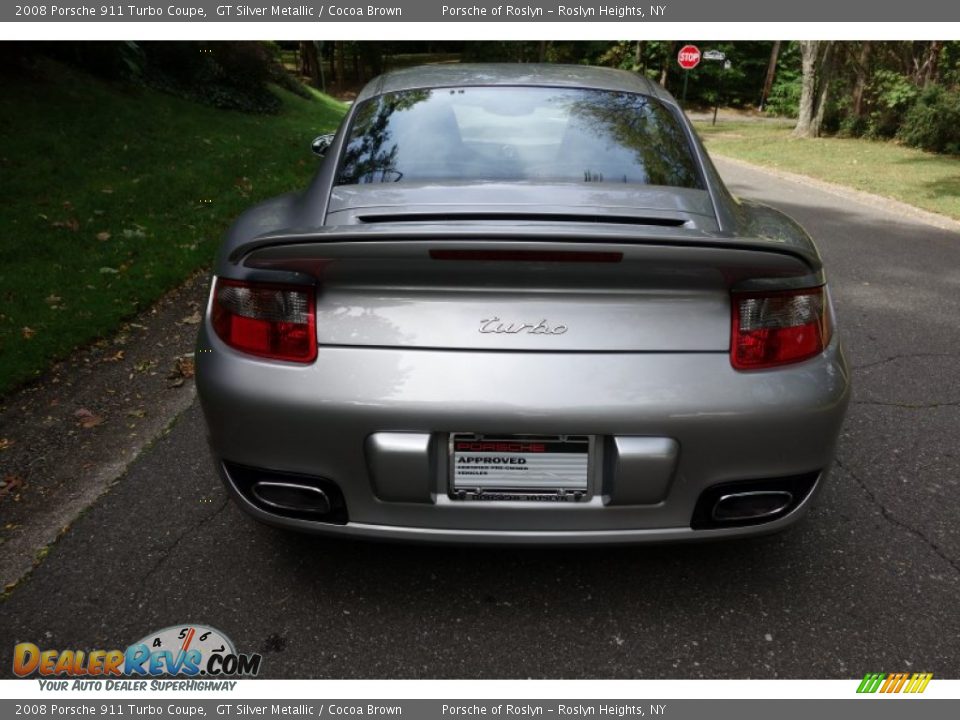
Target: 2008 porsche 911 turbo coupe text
{"points": [[517, 304]]}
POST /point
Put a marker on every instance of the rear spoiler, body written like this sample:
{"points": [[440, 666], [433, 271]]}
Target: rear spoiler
{"points": [[390, 240]]}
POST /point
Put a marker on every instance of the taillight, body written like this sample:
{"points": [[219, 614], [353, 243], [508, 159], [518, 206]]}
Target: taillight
{"points": [[777, 328], [272, 321]]}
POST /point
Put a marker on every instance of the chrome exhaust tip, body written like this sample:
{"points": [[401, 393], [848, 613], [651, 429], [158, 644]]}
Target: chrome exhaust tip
{"points": [[753, 505], [752, 502], [291, 497]]}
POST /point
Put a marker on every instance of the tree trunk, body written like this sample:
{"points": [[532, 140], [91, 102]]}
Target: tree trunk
{"points": [[863, 73], [667, 59], [823, 89], [310, 62], [930, 70], [542, 51], [817, 60], [771, 74], [809, 49], [340, 60]]}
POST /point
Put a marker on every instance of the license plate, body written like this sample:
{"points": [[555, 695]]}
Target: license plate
{"points": [[519, 467]]}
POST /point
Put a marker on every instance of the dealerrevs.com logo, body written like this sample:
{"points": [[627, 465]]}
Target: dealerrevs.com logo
{"points": [[180, 650]]}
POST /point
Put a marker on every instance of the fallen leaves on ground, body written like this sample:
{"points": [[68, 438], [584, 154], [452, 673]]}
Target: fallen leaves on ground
{"points": [[10, 484], [185, 366], [6, 443], [193, 319], [71, 224], [103, 236], [27, 332], [88, 419], [144, 365], [244, 185], [182, 370], [116, 357]]}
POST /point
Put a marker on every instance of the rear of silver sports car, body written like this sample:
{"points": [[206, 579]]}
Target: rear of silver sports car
{"points": [[537, 382], [517, 305]]}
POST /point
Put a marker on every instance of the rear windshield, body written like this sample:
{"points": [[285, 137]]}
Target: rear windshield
{"points": [[515, 134]]}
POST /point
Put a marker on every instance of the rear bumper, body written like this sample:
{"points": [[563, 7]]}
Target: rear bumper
{"points": [[319, 419], [499, 536]]}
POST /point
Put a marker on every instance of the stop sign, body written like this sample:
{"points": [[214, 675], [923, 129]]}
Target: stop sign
{"points": [[689, 57]]}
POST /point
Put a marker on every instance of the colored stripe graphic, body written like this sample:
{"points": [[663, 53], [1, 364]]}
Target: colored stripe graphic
{"points": [[894, 682], [871, 681], [919, 682]]}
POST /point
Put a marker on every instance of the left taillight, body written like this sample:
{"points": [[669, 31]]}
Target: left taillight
{"points": [[778, 328], [267, 320]]}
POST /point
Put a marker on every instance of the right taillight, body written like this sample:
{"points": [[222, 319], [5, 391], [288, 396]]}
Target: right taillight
{"points": [[778, 328], [264, 319]]}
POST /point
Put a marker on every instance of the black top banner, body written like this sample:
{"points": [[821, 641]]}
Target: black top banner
{"points": [[485, 11]]}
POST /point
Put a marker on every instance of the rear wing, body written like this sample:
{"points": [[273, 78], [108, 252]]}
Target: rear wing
{"points": [[411, 238]]}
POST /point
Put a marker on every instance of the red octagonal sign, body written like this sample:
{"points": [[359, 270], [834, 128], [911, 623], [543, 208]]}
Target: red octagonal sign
{"points": [[689, 57]]}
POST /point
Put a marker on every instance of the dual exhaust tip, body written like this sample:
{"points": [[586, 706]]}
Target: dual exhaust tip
{"points": [[285, 497], [731, 504]]}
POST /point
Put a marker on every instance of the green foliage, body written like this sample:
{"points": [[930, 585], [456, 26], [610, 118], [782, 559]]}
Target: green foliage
{"points": [[228, 75], [112, 60], [892, 94], [784, 100], [950, 65], [500, 51], [933, 121], [115, 193]]}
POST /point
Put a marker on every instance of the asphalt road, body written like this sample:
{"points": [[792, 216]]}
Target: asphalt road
{"points": [[870, 582]]}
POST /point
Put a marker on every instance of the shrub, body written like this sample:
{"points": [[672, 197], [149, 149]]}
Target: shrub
{"points": [[933, 122], [230, 75], [784, 98], [893, 95]]}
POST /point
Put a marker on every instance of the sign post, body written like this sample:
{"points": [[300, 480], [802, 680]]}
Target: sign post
{"points": [[718, 56], [688, 58]]}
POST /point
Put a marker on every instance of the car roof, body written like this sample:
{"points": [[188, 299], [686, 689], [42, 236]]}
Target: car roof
{"points": [[512, 74]]}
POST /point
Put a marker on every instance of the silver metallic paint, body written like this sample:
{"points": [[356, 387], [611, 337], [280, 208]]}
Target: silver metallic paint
{"points": [[401, 363]]}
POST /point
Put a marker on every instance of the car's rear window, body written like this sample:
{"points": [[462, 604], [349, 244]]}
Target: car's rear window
{"points": [[517, 134]]}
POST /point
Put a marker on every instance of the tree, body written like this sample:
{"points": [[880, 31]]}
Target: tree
{"points": [[861, 70], [827, 64], [771, 73], [817, 61], [929, 67], [668, 55], [310, 61]]}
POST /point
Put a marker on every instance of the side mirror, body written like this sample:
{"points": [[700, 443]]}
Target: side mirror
{"points": [[321, 144]]}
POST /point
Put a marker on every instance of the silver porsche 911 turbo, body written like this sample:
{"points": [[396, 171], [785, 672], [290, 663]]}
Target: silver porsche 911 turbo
{"points": [[517, 304]]}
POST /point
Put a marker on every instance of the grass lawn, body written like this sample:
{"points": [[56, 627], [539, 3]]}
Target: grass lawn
{"points": [[113, 195], [922, 179]]}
